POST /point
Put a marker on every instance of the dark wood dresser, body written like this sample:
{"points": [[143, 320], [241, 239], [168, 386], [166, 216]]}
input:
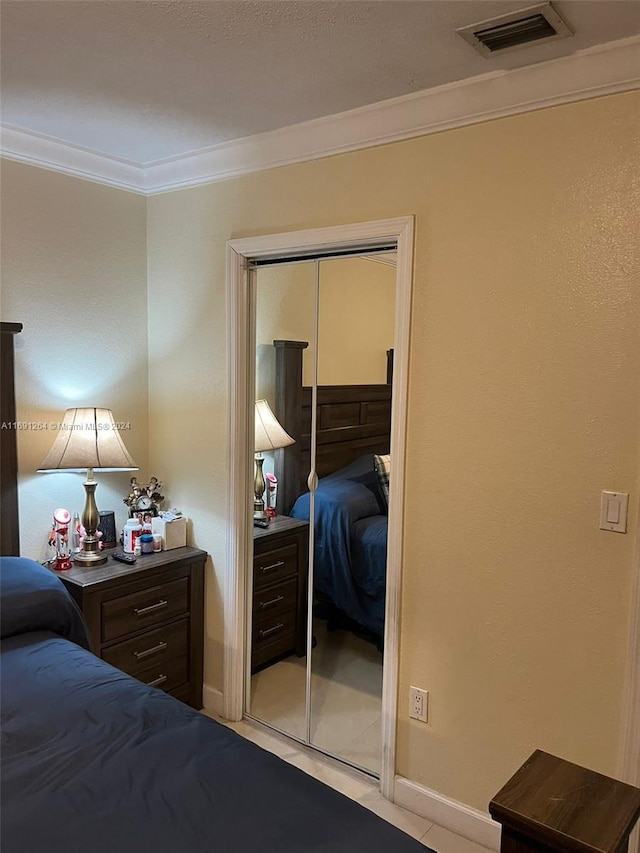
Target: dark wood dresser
{"points": [[280, 561], [147, 619]]}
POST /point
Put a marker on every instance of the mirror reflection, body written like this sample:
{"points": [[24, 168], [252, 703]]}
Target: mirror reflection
{"points": [[331, 592]]}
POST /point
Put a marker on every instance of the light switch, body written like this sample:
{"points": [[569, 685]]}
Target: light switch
{"points": [[613, 511]]}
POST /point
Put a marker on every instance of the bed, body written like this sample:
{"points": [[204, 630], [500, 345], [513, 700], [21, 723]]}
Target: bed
{"points": [[350, 518], [93, 759], [350, 546]]}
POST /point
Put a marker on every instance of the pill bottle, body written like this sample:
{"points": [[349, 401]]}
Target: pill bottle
{"points": [[157, 541], [146, 543], [130, 535]]}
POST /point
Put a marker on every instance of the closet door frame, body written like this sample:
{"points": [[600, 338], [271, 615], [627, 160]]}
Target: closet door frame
{"points": [[240, 375]]}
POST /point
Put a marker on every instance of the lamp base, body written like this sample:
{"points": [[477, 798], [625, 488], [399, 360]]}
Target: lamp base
{"points": [[90, 558]]}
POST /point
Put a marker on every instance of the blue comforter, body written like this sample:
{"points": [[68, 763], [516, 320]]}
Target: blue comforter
{"points": [[350, 536], [93, 760]]}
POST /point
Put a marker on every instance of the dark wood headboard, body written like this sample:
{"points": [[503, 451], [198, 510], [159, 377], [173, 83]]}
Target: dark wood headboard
{"points": [[352, 420], [9, 529]]}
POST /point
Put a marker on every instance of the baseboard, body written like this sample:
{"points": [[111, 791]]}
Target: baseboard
{"points": [[212, 699], [450, 814]]}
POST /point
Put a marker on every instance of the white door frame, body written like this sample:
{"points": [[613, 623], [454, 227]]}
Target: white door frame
{"points": [[239, 336]]}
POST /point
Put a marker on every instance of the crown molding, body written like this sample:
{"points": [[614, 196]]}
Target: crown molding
{"points": [[603, 70], [47, 152]]}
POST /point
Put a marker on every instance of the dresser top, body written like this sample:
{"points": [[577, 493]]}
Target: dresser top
{"points": [[84, 576], [279, 524]]}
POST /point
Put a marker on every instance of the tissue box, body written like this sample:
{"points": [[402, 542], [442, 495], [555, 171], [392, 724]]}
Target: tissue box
{"points": [[174, 533]]}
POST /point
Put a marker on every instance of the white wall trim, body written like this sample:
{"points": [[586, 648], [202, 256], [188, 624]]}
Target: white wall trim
{"points": [[213, 700], [391, 658], [602, 70], [58, 156], [238, 472], [629, 765], [470, 823], [239, 335]]}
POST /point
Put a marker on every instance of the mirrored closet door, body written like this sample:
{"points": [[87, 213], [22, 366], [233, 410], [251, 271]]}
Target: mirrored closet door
{"points": [[324, 361]]}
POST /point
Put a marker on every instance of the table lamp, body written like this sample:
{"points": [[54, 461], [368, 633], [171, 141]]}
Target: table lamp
{"points": [[269, 435], [88, 440]]}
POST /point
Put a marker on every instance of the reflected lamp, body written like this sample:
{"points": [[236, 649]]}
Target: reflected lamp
{"points": [[88, 440], [269, 435]]}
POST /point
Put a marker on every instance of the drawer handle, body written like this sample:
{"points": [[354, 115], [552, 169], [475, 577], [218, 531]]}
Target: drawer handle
{"points": [[152, 651], [142, 611], [270, 568], [271, 630], [265, 604], [159, 680]]}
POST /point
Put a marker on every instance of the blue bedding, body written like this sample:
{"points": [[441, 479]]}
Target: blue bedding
{"points": [[33, 599], [350, 550], [94, 760]]}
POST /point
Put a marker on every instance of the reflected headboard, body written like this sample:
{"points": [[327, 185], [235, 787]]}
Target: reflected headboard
{"points": [[9, 530], [352, 420]]}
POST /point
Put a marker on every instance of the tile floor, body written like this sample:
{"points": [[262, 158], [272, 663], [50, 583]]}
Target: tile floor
{"points": [[355, 785], [346, 696]]}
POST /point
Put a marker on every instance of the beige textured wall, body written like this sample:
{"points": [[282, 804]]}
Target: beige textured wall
{"points": [[523, 406], [285, 310], [74, 274], [356, 319]]}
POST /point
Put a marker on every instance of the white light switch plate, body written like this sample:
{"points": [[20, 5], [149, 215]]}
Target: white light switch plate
{"points": [[613, 511]]}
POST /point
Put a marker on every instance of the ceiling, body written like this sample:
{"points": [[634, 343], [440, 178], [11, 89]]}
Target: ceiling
{"points": [[146, 80]]}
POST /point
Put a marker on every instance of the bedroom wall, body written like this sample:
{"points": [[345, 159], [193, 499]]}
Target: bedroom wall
{"points": [[356, 308], [523, 406], [357, 305], [74, 274]]}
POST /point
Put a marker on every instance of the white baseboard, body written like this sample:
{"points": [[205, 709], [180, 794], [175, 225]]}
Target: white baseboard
{"points": [[450, 814], [212, 699]]}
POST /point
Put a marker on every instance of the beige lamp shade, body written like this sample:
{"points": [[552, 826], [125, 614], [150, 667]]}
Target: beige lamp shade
{"points": [[88, 438], [269, 435]]}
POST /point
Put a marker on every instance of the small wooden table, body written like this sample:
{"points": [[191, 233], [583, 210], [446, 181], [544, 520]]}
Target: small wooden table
{"points": [[553, 805]]}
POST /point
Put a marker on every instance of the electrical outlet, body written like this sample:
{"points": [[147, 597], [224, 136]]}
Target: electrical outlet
{"points": [[418, 704]]}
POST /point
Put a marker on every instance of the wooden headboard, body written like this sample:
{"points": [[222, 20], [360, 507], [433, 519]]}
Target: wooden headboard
{"points": [[9, 529], [351, 420]]}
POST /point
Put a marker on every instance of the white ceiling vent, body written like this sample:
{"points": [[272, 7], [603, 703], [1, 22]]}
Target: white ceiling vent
{"points": [[533, 25]]}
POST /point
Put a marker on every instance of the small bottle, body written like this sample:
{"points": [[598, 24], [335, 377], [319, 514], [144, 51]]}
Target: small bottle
{"points": [[146, 543], [131, 534], [75, 534], [157, 541]]}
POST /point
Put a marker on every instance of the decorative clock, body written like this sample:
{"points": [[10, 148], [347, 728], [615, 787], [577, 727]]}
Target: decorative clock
{"points": [[144, 500]]}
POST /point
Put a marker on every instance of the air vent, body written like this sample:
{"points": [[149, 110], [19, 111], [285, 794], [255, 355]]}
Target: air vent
{"points": [[533, 25]]}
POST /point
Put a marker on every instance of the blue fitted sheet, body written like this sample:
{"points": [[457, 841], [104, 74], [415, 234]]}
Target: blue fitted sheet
{"points": [[93, 760], [350, 550]]}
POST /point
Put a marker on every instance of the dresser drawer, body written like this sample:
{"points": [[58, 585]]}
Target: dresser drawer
{"points": [[167, 676], [274, 628], [144, 609], [150, 649], [275, 564], [275, 599], [271, 646]]}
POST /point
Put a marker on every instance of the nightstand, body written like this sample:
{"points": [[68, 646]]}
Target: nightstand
{"points": [[147, 619], [280, 561], [555, 806]]}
